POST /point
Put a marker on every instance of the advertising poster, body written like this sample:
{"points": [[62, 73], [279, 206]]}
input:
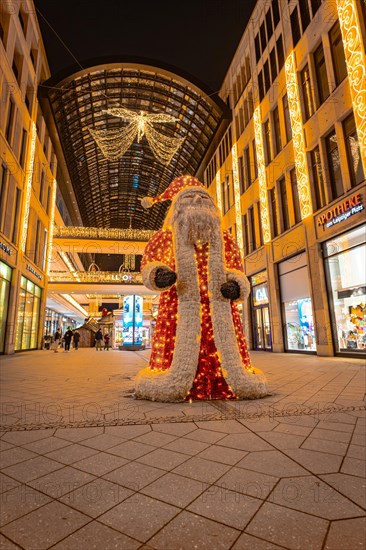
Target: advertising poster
{"points": [[132, 320], [138, 319]]}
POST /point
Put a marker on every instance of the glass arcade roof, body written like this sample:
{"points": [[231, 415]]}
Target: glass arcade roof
{"points": [[108, 192]]}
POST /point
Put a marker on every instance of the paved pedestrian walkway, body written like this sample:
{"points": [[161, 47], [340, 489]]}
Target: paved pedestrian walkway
{"points": [[86, 466]]}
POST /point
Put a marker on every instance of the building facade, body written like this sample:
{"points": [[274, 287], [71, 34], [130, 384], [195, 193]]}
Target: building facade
{"points": [[27, 180], [289, 174]]}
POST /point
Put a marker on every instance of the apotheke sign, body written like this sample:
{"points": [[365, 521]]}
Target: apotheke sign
{"points": [[341, 211]]}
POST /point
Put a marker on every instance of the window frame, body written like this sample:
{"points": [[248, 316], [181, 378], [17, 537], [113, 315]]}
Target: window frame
{"points": [[322, 93], [335, 54], [334, 182]]}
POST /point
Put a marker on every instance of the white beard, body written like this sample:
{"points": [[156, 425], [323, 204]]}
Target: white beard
{"points": [[196, 224]]}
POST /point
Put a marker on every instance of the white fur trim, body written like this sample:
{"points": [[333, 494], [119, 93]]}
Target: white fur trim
{"points": [[174, 383], [245, 384], [148, 275], [240, 278]]}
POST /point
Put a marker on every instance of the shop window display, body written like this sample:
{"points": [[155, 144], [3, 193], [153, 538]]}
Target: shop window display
{"points": [[299, 332], [346, 273], [261, 315], [300, 325], [5, 281], [28, 315]]}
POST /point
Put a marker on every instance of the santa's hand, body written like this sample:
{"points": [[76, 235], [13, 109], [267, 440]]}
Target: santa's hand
{"points": [[230, 290], [165, 277]]}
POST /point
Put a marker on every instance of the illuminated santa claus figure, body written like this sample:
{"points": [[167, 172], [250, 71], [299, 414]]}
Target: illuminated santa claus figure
{"points": [[199, 349]]}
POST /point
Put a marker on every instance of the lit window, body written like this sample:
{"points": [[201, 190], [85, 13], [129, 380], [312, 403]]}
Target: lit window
{"points": [[353, 150]]}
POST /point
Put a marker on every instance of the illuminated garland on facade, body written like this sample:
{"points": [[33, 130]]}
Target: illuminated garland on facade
{"points": [[239, 229], [261, 176], [71, 232], [95, 277], [356, 66], [28, 187], [218, 191], [51, 226], [301, 167]]}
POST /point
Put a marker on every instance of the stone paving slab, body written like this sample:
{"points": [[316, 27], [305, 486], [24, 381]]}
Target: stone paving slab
{"points": [[83, 466], [288, 528], [96, 536]]}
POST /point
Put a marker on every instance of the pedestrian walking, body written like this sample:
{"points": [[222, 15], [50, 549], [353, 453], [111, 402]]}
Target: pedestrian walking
{"points": [[106, 342], [56, 340], [67, 337], [46, 341], [76, 338], [98, 340]]}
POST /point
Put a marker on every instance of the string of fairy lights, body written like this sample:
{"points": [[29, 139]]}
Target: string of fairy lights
{"points": [[301, 167], [115, 142], [354, 51], [209, 381]]}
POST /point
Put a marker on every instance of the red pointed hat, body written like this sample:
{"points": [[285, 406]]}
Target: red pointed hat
{"points": [[177, 185]]}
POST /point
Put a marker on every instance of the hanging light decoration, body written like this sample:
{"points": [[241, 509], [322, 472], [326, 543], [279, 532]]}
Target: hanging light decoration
{"points": [[262, 178], [298, 140], [354, 50], [93, 268], [114, 143], [239, 230]]}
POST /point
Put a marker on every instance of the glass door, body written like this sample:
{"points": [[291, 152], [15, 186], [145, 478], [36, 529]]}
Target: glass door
{"points": [[266, 328], [5, 279], [262, 329], [258, 329]]}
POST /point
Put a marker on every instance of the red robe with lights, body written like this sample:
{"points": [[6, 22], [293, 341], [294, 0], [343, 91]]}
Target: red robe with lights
{"points": [[199, 349]]}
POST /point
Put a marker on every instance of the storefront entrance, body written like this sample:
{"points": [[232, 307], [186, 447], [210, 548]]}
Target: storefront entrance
{"points": [[262, 328], [297, 313], [5, 282], [28, 315], [345, 265], [260, 308]]}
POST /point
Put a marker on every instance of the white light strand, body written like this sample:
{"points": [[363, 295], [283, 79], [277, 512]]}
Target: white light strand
{"points": [[28, 186], [114, 143], [354, 51], [51, 226], [239, 229], [66, 260], [262, 180], [298, 141], [119, 277], [218, 191], [129, 234]]}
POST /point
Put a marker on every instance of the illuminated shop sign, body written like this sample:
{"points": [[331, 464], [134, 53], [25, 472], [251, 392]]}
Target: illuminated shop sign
{"points": [[341, 211], [30, 268], [260, 295], [5, 248], [132, 320]]}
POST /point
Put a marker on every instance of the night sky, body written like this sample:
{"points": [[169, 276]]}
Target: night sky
{"points": [[196, 36]]}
